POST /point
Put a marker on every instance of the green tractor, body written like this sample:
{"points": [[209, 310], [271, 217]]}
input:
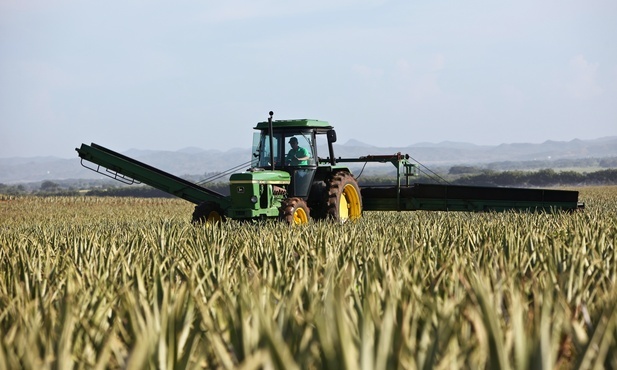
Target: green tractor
{"points": [[288, 180]]}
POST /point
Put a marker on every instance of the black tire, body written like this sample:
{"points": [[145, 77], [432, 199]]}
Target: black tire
{"points": [[208, 212], [343, 198], [294, 211]]}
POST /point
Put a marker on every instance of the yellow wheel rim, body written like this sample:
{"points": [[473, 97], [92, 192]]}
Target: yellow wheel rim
{"points": [[213, 217], [300, 217], [350, 207], [343, 210]]}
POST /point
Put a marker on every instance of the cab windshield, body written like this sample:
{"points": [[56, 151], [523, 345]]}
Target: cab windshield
{"points": [[290, 149]]}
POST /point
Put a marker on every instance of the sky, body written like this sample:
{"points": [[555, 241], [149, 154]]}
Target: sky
{"points": [[162, 75]]}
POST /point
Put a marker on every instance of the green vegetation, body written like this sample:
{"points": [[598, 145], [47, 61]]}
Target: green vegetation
{"points": [[96, 188], [581, 164], [88, 282], [540, 178], [464, 175]]}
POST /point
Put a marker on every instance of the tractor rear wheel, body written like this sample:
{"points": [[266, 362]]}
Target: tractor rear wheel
{"points": [[208, 212], [344, 201], [294, 211]]}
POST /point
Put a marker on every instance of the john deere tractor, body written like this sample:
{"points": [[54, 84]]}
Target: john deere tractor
{"points": [[278, 184]]}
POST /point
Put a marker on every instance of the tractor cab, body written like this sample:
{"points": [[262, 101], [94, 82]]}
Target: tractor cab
{"points": [[293, 148]]}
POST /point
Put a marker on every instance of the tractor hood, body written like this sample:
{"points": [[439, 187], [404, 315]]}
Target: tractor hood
{"points": [[261, 177]]}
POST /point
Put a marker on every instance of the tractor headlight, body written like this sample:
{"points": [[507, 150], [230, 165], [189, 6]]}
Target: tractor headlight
{"points": [[254, 199]]}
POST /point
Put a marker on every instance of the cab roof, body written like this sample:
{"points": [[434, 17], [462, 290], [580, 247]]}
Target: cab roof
{"points": [[295, 123]]}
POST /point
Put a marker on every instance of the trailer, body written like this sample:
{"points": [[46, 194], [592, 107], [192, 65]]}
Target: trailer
{"points": [[289, 181]]}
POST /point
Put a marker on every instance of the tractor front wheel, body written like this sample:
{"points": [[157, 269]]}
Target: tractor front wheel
{"points": [[294, 211], [208, 212], [344, 201]]}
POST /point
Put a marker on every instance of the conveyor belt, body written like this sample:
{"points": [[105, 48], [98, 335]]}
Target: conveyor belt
{"points": [[466, 198], [123, 168]]}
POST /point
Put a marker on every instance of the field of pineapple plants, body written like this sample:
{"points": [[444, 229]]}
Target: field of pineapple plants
{"points": [[97, 283]]}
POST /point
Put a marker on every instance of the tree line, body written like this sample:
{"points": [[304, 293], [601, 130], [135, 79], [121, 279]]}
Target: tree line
{"points": [[563, 163], [540, 178], [544, 177]]}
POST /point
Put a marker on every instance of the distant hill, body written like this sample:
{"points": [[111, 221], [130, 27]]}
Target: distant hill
{"points": [[454, 153], [356, 143], [197, 162]]}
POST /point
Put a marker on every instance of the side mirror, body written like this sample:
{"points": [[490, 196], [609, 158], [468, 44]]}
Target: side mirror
{"points": [[331, 134]]}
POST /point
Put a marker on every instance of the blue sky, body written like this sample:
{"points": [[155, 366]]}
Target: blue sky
{"points": [[169, 75]]}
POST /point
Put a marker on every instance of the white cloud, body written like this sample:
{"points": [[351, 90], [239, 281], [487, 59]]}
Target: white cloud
{"points": [[583, 82]]}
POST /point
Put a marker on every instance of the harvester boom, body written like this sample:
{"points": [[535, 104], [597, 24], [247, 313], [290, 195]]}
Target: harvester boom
{"points": [[447, 197], [128, 170]]}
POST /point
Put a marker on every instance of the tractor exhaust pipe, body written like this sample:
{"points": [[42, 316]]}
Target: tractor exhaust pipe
{"points": [[271, 139]]}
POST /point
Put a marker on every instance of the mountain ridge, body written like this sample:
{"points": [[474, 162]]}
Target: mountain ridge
{"points": [[198, 161]]}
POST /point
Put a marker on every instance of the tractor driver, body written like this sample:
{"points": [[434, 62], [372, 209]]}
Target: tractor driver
{"points": [[297, 156]]}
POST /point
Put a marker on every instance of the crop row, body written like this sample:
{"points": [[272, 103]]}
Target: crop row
{"points": [[130, 283]]}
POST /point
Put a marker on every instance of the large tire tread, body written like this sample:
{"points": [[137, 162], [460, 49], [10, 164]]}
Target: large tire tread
{"points": [[208, 212], [294, 211], [336, 185]]}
